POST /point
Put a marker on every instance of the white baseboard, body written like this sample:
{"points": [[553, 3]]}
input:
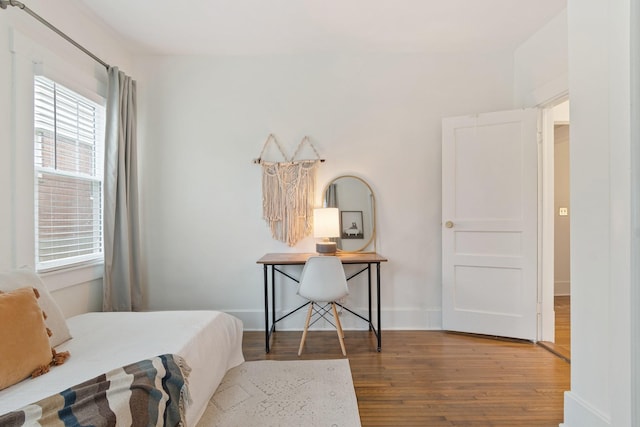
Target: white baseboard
{"points": [[397, 319], [562, 288], [579, 413]]}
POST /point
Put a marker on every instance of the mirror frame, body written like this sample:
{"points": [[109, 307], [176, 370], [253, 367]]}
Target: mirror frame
{"points": [[372, 238]]}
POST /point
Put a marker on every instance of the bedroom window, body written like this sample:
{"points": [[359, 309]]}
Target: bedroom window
{"points": [[68, 156]]}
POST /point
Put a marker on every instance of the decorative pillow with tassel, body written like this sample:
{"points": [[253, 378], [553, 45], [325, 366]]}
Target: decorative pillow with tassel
{"points": [[27, 278], [24, 338]]}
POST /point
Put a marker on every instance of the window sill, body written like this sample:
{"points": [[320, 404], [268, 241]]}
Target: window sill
{"points": [[72, 276]]}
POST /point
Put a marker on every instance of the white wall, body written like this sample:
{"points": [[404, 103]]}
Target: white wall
{"points": [[597, 76], [374, 116], [541, 66], [25, 40], [601, 175]]}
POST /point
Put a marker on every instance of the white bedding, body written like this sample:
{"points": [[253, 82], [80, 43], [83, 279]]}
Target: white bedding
{"points": [[209, 341]]}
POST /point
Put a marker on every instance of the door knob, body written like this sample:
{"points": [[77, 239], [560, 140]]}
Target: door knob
{"points": [[448, 224]]}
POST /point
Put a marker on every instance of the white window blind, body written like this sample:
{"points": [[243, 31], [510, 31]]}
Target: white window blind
{"points": [[68, 155]]}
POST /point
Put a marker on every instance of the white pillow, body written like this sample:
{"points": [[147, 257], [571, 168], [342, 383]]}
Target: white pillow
{"points": [[55, 321]]}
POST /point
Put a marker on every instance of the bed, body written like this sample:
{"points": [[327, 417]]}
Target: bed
{"points": [[210, 342]]}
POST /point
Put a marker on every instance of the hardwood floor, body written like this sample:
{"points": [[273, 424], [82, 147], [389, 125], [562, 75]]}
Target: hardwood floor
{"points": [[433, 378], [563, 323], [562, 345]]}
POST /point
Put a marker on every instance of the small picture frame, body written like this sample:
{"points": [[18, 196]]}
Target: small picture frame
{"points": [[351, 225]]}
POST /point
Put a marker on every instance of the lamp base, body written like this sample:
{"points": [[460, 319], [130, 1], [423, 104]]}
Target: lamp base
{"points": [[326, 248]]}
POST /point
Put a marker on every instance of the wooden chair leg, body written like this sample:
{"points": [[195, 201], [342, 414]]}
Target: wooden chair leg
{"points": [[306, 327], [339, 324], [339, 328]]}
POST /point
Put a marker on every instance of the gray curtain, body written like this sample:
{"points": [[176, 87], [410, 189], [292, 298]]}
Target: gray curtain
{"points": [[122, 289], [331, 196]]}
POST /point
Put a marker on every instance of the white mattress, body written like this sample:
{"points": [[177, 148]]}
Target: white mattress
{"points": [[209, 341]]}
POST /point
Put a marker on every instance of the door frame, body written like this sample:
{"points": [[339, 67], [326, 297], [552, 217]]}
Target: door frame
{"points": [[546, 219]]}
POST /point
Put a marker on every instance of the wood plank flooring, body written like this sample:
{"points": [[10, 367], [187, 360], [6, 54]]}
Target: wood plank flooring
{"points": [[562, 345], [563, 323], [434, 378]]}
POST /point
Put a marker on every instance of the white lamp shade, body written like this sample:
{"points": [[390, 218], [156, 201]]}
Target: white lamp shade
{"points": [[326, 222]]}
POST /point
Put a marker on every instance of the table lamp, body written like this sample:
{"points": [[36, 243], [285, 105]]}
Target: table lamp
{"points": [[326, 224]]}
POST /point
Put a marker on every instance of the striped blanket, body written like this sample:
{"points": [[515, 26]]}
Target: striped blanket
{"points": [[152, 392]]}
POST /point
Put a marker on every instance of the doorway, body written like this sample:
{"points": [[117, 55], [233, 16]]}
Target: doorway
{"points": [[562, 230], [556, 241]]}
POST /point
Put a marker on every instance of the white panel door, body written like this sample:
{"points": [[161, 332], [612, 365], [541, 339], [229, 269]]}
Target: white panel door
{"points": [[489, 223]]}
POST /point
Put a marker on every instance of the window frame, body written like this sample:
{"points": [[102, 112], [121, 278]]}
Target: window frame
{"points": [[96, 177]]}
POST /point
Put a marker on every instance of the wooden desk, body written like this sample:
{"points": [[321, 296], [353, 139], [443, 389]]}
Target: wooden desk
{"points": [[275, 260]]}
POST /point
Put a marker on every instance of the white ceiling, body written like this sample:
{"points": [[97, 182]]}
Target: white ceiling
{"points": [[240, 27]]}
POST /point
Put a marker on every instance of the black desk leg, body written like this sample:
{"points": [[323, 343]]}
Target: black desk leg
{"points": [[378, 301], [266, 310], [369, 282], [273, 298]]}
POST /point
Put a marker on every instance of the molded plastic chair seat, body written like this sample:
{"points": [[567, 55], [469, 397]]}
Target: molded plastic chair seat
{"points": [[323, 281]]}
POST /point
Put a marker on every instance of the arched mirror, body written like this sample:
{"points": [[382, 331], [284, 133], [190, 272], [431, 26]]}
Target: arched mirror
{"points": [[355, 200]]}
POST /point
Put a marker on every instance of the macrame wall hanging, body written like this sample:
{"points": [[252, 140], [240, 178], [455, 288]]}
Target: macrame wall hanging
{"points": [[288, 192]]}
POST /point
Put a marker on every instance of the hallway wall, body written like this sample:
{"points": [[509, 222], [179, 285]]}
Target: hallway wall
{"points": [[562, 274]]}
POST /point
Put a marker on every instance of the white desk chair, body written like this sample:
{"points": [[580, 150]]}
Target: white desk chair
{"points": [[323, 282]]}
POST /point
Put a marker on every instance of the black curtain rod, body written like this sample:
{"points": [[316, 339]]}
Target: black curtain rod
{"points": [[5, 3]]}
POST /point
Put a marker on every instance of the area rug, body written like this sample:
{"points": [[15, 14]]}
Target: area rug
{"points": [[285, 393]]}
